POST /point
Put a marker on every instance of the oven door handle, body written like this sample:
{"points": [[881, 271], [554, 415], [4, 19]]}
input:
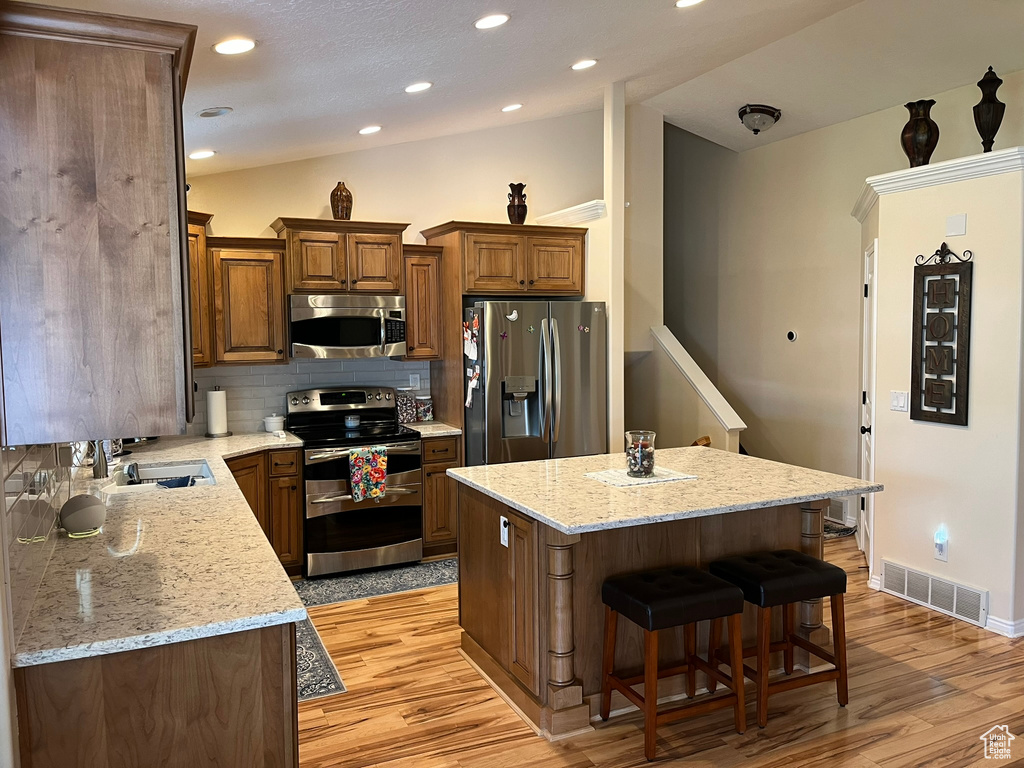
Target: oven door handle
{"points": [[414, 448], [348, 496]]}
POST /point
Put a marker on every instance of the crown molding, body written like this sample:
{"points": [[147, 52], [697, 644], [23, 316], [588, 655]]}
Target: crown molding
{"points": [[567, 217], [963, 168]]}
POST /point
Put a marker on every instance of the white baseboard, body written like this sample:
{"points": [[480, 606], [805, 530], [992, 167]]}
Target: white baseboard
{"points": [[1004, 627], [875, 583]]}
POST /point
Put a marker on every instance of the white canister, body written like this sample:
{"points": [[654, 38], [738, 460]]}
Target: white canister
{"points": [[273, 423]]}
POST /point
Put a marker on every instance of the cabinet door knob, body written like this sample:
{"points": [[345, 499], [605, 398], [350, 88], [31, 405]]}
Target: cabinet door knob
{"points": [[411, 348], [531, 282], [522, 282], [280, 351], [294, 487], [343, 282]]}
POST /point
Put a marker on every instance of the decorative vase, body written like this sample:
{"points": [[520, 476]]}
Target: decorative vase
{"points": [[517, 203], [921, 133], [341, 202], [988, 113]]}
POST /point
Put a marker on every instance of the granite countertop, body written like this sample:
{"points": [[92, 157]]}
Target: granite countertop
{"points": [[169, 565], [556, 493], [429, 429]]}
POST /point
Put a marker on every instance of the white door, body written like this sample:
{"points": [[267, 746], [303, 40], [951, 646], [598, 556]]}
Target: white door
{"points": [[865, 516]]}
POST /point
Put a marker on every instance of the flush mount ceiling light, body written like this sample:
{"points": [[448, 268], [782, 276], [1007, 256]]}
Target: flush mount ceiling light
{"points": [[492, 21], [759, 117], [214, 112], [201, 154], [234, 45], [369, 129], [418, 87], [511, 107], [585, 64], [687, 3]]}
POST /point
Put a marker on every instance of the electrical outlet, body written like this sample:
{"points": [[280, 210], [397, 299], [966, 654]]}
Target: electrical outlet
{"points": [[414, 380], [942, 545], [503, 524], [899, 401]]}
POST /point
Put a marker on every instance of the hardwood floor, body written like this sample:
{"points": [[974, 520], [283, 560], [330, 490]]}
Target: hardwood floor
{"points": [[923, 688]]}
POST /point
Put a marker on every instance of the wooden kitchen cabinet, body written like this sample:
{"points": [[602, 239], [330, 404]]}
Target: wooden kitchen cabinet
{"points": [[554, 265], [328, 256], [494, 263], [248, 300], [199, 290], [440, 497], [423, 300], [93, 249], [272, 485], [522, 569]]}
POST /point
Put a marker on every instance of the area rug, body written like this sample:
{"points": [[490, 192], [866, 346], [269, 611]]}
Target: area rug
{"points": [[317, 675], [837, 530]]}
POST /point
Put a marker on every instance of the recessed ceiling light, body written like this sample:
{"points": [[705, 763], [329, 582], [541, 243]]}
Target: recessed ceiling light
{"points": [[369, 129], [214, 112], [687, 3], [492, 21], [418, 87], [234, 45], [585, 64], [511, 107], [201, 154]]}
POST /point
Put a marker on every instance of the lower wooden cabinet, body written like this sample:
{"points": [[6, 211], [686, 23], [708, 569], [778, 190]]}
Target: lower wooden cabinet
{"points": [[440, 497], [272, 484]]}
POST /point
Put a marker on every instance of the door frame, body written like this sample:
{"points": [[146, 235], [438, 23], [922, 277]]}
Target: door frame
{"points": [[868, 407]]}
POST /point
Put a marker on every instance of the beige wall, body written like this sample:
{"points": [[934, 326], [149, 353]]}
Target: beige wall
{"points": [[425, 182], [784, 253], [962, 477]]}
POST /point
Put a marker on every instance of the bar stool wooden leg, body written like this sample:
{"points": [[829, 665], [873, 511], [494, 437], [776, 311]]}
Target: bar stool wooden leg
{"points": [[788, 614], [764, 640], [839, 646], [689, 650], [714, 641], [611, 621], [736, 661], [650, 692]]}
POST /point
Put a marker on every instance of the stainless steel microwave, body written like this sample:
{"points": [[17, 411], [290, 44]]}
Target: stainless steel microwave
{"points": [[347, 326]]}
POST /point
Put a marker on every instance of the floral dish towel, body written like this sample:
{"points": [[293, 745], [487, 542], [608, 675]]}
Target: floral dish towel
{"points": [[368, 472]]}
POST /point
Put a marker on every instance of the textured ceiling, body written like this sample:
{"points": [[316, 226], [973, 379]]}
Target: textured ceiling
{"points": [[325, 68], [871, 56]]}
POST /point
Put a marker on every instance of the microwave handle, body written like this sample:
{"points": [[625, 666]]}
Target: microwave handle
{"points": [[383, 331]]}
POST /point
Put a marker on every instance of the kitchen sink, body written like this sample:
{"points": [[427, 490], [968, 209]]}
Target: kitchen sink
{"points": [[152, 474]]}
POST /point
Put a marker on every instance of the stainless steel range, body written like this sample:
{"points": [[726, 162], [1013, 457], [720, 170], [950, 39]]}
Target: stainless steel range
{"points": [[342, 534]]}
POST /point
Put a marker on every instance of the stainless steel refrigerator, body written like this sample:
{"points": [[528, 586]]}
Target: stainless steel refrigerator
{"points": [[542, 380]]}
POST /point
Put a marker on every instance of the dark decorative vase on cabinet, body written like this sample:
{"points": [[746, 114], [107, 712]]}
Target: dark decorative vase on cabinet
{"points": [[921, 133], [516, 204], [988, 113], [341, 202]]}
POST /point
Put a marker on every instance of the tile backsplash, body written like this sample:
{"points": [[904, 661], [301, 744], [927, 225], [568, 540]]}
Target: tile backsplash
{"points": [[35, 488], [259, 390]]}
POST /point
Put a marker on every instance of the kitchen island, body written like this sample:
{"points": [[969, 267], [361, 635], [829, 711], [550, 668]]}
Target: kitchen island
{"points": [[537, 539]]}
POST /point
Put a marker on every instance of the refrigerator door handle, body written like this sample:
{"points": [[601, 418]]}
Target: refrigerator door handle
{"points": [[557, 414], [545, 377]]}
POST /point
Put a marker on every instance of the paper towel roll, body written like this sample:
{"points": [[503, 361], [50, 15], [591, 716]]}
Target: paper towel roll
{"points": [[216, 413]]}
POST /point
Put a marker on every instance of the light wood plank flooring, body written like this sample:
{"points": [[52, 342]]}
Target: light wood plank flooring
{"points": [[923, 688]]}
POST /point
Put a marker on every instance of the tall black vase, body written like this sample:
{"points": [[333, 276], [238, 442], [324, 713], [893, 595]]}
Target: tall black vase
{"points": [[920, 134], [988, 113], [516, 204]]}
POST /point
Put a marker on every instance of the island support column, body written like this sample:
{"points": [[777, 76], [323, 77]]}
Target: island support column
{"points": [[566, 711], [812, 537]]}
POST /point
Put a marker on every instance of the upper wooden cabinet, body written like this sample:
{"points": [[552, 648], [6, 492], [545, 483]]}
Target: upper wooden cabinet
{"points": [[327, 256], [93, 234], [423, 301], [248, 300], [199, 290], [510, 259]]}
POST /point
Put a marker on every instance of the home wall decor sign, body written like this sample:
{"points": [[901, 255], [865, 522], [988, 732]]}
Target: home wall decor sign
{"points": [[942, 337]]}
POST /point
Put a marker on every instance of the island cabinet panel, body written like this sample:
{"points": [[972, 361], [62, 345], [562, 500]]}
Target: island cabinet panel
{"points": [[199, 290], [250, 472], [228, 700], [494, 263], [375, 262], [555, 264], [522, 561], [249, 311], [316, 262], [423, 302]]}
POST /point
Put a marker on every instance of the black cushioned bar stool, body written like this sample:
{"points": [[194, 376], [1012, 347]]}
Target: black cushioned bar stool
{"points": [[786, 577], [671, 597]]}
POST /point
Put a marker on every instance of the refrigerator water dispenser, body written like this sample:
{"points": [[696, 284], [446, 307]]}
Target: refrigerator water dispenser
{"points": [[520, 416]]}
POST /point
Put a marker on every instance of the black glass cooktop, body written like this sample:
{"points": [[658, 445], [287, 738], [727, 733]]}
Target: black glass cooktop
{"points": [[324, 436]]}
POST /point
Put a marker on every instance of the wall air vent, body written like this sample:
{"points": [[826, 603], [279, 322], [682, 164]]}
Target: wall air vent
{"points": [[956, 600]]}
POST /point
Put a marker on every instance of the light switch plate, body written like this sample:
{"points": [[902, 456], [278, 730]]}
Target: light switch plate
{"points": [[503, 524], [956, 225], [414, 380], [899, 401]]}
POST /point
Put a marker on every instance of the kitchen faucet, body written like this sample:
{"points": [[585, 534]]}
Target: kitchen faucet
{"points": [[99, 460]]}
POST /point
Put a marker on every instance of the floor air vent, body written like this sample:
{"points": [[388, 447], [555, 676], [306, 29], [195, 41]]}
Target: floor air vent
{"points": [[946, 597]]}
